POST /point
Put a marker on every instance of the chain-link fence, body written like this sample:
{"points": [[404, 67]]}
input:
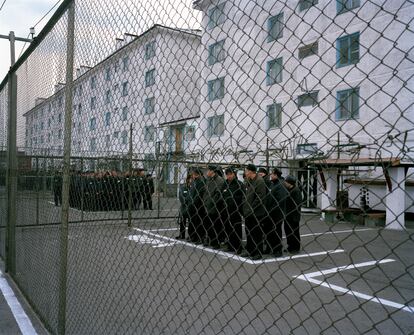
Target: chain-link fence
{"points": [[213, 167]]}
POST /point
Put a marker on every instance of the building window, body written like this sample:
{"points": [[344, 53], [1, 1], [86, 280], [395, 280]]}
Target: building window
{"points": [[124, 137], [124, 115], [216, 16], [108, 74], [92, 144], [41, 125], [149, 105], [93, 82], [60, 102], [347, 50], [149, 133], [125, 63], [307, 149], [107, 119], [60, 118], [190, 132], [93, 102], [343, 6], [216, 89], [215, 125], [149, 50], [80, 90], [107, 140], [274, 115], [150, 78], [60, 134], [308, 50], [108, 97], [116, 134], [216, 53], [275, 27], [274, 71], [125, 89], [347, 104], [92, 123], [79, 109], [305, 4], [308, 99]]}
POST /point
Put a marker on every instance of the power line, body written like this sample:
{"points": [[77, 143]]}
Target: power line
{"points": [[41, 19], [2, 4]]}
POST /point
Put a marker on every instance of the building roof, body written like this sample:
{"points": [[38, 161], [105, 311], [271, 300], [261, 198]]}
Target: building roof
{"points": [[345, 162]]}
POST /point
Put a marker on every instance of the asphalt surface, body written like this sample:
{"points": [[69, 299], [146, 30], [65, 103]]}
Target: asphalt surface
{"points": [[140, 280]]}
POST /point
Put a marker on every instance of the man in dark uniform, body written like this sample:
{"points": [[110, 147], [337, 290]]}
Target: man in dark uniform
{"points": [[275, 203], [293, 206], [184, 197], [213, 203], [233, 195], [148, 191], [196, 208], [137, 188], [254, 212], [57, 188]]}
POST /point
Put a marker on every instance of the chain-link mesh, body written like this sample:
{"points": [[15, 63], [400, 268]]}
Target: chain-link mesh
{"points": [[236, 167]]}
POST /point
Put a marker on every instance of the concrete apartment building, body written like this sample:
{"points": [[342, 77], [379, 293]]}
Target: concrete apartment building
{"points": [[150, 82], [289, 81]]}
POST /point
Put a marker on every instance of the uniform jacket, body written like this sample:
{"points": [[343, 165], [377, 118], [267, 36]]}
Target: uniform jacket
{"points": [[184, 197], [213, 201], [293, 205], [233, 196], [196, 195], [255, 198], [276, 200]]}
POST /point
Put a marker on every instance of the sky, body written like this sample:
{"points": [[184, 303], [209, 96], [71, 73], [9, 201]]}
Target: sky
{"points": [[19, 16]]}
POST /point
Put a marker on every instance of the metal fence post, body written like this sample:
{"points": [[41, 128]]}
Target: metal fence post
{"points": [[66, 170], [130, 178], [11, 177], [37, 190]]}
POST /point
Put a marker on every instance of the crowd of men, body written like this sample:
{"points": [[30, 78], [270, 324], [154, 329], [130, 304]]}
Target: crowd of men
{"points": [[107, 191], [214, 207]]}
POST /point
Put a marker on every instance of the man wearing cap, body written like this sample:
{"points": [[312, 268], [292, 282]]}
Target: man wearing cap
{"points": [[293, 206], [254, 212], [276, 207], [233, 195], [196, 211], [213, 203]]}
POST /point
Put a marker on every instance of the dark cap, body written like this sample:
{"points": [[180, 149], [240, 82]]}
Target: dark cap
{"points": [[251, 167], [196, 170], [290, 180], [262, 170], [230, 169], [212, 167], [277, 172]]}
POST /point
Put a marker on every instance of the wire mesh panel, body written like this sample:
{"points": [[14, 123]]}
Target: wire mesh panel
{"points": [[3, 194], [236, 167]]}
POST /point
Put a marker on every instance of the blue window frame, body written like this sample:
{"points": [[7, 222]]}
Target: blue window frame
{"points": [[149, 133], [150, 78], [216, 89], [343, 6], [215, 125], [124, 113], [307, 149], [107, 119], [275, 27], [274, 115], [108, 97], [347, 50], [347, 104], [93, 102], [308, 99], [274, 71], [92, 144], [92, 123], [149, 105], [216, 16], [125, 89], [124, 137], [149, 50], [93, 82], [216, 52], [108, 74], [125, 63], [305, 4]]}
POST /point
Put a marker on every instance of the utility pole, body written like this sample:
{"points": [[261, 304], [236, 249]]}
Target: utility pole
{"points": [[12, 165]]}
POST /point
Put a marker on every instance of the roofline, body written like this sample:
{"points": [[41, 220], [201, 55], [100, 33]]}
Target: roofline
{"points": [[155, 26], [180, 120]]}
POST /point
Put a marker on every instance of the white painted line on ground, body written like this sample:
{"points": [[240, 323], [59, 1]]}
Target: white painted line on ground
{"points": [[163, 229], [329, 232], [310, 277], [233, 256], [22, 320]]}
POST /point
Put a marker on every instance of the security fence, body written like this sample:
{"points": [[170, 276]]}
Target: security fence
{"points": [[293, 121]]}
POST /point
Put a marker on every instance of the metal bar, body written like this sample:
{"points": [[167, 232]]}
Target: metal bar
{"points": [[66, 170], [37, 191], [130, 178]]}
